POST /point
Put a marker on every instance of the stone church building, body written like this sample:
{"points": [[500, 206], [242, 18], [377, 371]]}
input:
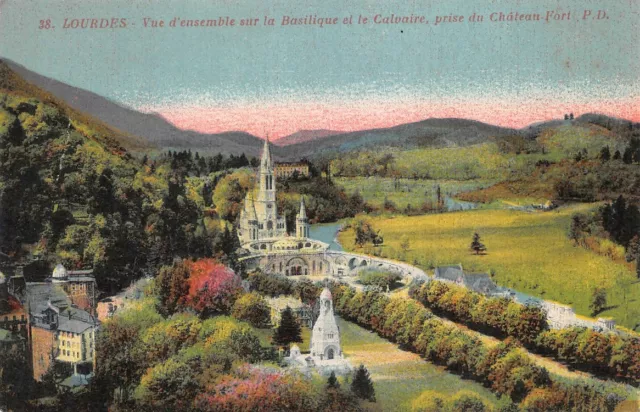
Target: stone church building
{"points": [[326, 354]]}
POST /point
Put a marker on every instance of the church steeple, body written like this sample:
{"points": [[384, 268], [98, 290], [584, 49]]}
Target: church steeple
{"points": [[302, 222], [266, 156], [267, 191], [303, 211]]}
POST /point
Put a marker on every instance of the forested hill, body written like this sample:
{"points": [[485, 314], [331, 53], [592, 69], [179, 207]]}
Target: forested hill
{"points": [[433, 132], [117, 140], [70, 193]]}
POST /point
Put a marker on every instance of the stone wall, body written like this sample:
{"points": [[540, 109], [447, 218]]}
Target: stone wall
{"points": [[327, 263]]}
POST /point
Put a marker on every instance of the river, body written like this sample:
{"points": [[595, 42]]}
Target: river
{"points": [[326, 232]]}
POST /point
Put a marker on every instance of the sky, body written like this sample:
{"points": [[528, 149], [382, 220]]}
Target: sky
{"points": [[276, 80]]}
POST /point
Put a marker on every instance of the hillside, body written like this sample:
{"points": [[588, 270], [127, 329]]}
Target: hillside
{"points": [[71, 194], [302, 136], [153, 129], [15, 84], [426, 133]]}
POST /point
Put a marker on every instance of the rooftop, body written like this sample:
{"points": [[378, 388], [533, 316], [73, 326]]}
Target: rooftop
{"points": [[39, 293]]}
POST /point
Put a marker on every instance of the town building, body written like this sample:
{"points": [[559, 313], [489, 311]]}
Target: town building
{"points": [[13, 320], [285, 170], [301, 311], [62, 322], [80, 286], [13, 315]]}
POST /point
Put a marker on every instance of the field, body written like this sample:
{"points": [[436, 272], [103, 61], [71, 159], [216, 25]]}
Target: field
{"points": [[405, 192], [399, 377], [529, 252]]}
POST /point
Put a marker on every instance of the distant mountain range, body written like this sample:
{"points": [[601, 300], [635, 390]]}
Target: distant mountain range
{"points": [[425, 133], [143, 131], [302, 136]]}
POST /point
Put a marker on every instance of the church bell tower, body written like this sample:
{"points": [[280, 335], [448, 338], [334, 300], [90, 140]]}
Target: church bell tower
{"points": [[267, 192]]}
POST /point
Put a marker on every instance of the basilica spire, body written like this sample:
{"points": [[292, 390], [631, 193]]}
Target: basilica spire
{"points": [[302, 222], [267, 192], [266, 155], [303, 211]]}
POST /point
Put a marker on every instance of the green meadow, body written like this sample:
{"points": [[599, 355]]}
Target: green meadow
{"points": [[402, 192], [529, 252]]}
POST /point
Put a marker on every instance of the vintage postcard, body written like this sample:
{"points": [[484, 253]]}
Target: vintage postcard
{"points": [[319, 205]]}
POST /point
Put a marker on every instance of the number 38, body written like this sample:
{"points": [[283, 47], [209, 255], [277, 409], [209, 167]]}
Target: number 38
{"points": [[45, 24]]}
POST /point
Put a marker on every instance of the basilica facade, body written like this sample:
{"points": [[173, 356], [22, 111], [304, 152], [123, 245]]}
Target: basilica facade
{"points": [[263, 230]]}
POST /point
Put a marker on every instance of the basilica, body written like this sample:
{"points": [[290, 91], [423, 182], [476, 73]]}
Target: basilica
{"points": [[262, 229]]}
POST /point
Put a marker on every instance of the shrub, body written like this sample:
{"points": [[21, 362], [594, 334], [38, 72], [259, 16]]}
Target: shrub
{"points": [[252, 307], [381, 279]]}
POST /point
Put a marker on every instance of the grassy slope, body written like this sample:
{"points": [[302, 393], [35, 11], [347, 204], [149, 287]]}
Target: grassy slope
{"points": [[399, 376], [461, 168], [409, 191], [529, 252]]}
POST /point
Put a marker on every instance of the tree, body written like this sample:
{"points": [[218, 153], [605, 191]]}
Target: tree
{"points": [[466, 401], [627, 157], [633, 249], [306, 291], [405, 244], [476, 245], [252, 307], [332, 382], [364, 232], [172, 288], [429, 401], [578, 225], [169, 385], [213, 287], [439, 197], [617, 155], [362, 386], [605, 154], [598, 301], [288, 331]]}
